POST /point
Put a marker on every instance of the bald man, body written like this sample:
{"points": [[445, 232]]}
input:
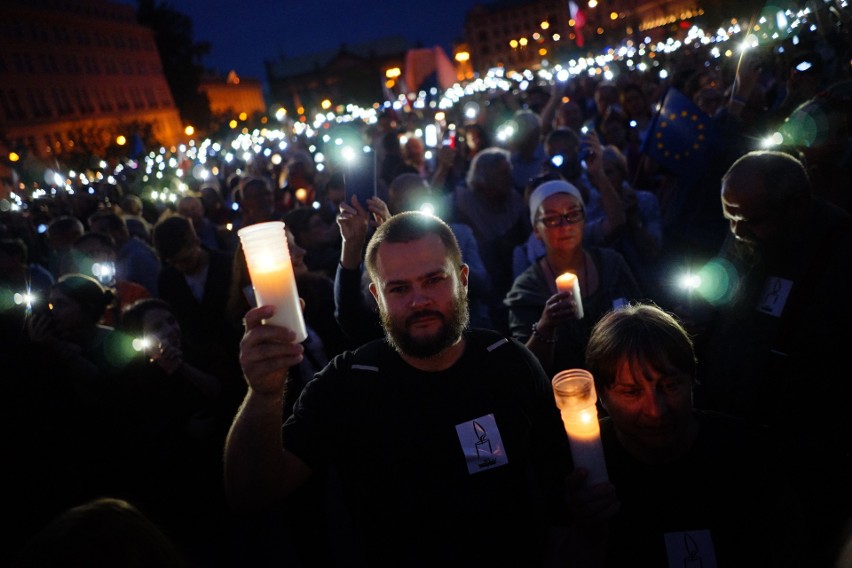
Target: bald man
{"points": [[777, 352]]}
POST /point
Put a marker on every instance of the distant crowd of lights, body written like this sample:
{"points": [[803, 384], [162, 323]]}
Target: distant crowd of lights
{"points": [[168, 168]]}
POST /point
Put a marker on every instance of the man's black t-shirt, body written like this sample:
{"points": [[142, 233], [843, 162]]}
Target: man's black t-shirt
{"points": [[462, 464]]}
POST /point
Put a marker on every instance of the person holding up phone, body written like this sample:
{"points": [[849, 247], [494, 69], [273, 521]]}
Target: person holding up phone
{"points": [[172, 424], [354, 315], [94, 254], [65, 331]]}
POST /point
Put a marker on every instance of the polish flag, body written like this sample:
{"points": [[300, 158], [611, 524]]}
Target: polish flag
{"points": [[579, 22]]}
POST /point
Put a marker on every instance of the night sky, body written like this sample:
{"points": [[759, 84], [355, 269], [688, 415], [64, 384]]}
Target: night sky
{"points": [[242, 33]]}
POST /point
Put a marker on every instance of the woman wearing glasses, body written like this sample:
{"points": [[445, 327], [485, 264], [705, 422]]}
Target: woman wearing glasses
{"points": [[546, 319]]}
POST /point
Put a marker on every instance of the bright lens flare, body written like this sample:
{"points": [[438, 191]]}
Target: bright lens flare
{"points": [[775, 139], [103, 270], [26, 299], [714, 281], [689, 281], [749, 42], [142, 343]]}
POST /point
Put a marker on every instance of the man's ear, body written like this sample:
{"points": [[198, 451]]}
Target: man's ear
{"points": [[464, 272], [374, 291]]}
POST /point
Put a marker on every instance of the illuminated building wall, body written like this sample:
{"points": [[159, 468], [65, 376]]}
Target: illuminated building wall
{"points": [[626, 17], [651, 15], [233, 95], [516, 34], [76, 72]]}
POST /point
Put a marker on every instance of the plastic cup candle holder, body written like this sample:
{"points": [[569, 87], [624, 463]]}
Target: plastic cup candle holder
{"points": [[574, 390]]}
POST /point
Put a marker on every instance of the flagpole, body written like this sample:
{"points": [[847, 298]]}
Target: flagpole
{"points": [[653, 125], [643, 156]]}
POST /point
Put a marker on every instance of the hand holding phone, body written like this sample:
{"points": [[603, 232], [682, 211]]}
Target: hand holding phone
{"points": [[40, 325], [359, 177]]}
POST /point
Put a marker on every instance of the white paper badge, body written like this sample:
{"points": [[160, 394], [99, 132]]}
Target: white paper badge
{"points": [[481, 444], [690, 549], [774, 296]]}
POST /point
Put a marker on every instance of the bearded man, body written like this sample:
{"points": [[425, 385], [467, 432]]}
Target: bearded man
{"points": [[446, 441]]}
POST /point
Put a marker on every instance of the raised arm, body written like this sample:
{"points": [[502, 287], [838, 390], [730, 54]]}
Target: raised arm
{"points": [[258, 470], [611, 202]]}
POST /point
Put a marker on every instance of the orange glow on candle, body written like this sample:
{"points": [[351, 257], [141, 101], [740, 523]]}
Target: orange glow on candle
{"points": [[570, 284], [268, 260], [574, 391], [565, 282]]}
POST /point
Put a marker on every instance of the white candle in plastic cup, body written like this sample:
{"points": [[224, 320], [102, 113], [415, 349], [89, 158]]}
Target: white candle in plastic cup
{"points": [[575, 395], [268, 260], [570, 284]]}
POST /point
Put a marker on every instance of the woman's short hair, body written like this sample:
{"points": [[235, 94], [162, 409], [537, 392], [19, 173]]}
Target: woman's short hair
{"points": [[639, 334]]}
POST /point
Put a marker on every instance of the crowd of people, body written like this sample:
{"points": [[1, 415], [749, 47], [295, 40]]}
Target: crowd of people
{"points": [[416, 423]]}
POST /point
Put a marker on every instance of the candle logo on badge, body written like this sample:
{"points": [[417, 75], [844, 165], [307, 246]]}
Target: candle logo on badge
{"points": [[574, 391], [271, 272]]}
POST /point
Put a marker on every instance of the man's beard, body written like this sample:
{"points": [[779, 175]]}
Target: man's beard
{"points": [[425, 347], [747, 252]]}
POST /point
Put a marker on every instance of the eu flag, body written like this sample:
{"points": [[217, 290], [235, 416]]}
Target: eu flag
{"points": [[681, 136]]}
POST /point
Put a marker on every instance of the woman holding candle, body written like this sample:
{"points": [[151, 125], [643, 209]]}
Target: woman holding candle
{"points": [[555, 321], [686, 487]]}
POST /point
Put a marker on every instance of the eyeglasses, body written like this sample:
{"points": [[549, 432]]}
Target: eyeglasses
{"points": [[570, 218]]}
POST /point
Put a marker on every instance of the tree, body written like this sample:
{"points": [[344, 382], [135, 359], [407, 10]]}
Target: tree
{"points": [[181, 56]]}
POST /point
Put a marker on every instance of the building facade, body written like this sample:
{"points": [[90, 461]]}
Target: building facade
{"points": [[516, 34], [355, 74], [80, 73], [522, 34], [233, 95]]}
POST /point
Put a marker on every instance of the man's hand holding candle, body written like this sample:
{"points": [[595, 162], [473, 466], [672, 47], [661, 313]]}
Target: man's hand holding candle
{"points": [[267, 352]]}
